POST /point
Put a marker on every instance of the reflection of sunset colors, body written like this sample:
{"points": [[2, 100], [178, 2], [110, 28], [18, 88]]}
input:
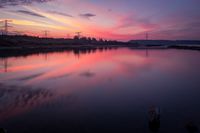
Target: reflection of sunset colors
{"points": [[20, 100], [113, 19], [84, 83], [49, 68]]}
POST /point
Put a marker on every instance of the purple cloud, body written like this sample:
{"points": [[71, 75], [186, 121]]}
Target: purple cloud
{"points": [[29, 13], [87, 15], [60, 13], [20, 2]]}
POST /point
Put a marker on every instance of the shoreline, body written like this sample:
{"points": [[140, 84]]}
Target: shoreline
{"points": [[25, 45], [78, 49]]}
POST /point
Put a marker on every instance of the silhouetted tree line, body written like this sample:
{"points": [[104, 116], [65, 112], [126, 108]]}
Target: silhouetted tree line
{"points": [[24, 41], [20, 40], [94, 41]]}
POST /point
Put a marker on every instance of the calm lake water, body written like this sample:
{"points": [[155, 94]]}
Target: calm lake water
{"points": [[99, 91]]}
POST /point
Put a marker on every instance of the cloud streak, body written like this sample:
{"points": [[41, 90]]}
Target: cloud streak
{"points": [[1, 6], [4, 3], [30, 13], [60, 13], [87, 15]]}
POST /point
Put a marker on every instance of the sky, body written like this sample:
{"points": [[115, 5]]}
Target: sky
{"points": [[108, 19]]}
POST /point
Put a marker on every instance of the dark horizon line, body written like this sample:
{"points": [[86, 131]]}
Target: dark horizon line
{"points": [[131, 40]]}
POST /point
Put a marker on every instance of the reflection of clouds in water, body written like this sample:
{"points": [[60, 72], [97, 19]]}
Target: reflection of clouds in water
{"points": [[2, 65], [137, 68], [61, 76], [87, 74], [31, 76], [18, 99]]}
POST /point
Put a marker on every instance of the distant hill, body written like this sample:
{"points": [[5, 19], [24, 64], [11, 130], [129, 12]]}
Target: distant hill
{"points": [[165, 42]]}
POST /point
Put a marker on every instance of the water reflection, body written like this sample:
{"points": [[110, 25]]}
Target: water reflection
{"points": [[99, 89], [31, 76], [76, 50], [5, 55], [14, 100], [87, 74], [147, 52], [4, 64]]}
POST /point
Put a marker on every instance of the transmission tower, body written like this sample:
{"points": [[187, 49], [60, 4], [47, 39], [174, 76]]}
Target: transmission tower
{"points": [[46, 32], [1, 31], [147, 51], [78, 34], [147, 36], [6, 25], [68, 36]]}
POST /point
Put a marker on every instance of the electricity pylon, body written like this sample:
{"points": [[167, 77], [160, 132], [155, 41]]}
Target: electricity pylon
{"points": [[6, 25], [46, 32], [68, 36], [78, 34], [147, 36]]}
